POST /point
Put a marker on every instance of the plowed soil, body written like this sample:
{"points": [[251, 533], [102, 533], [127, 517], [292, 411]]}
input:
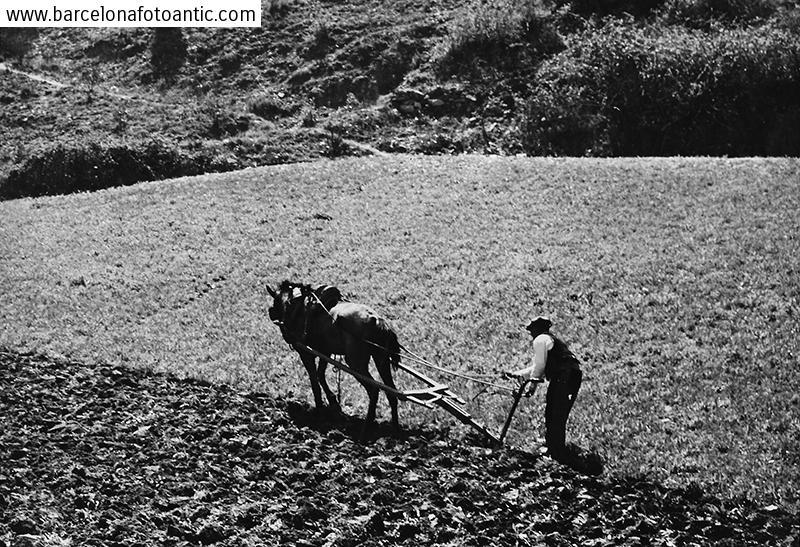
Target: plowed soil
{"points": [[101, 455]]}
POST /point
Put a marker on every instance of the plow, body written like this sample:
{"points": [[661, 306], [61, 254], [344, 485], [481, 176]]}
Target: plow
{"points": [[318, 323], [433, 394]]}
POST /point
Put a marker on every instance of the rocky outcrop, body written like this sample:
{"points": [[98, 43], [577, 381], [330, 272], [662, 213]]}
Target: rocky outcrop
{"points": [[443, 100]]}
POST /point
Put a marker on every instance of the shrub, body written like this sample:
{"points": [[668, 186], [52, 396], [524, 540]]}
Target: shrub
{"points": [[221, 121], [393, 63], [788, 19], [621, 90], [499, 33], [63, 169], [17, 42], [230, 62], [274, 6], [610, 7], [121, 118], [703, 14], [309, 117], [271, 106], [335, 146], [320, 41], [167, 50]]}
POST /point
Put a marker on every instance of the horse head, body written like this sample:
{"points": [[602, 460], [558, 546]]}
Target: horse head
{"points": [[288, 309], [314, 318]]}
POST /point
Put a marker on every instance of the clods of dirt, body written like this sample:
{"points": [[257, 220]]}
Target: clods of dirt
{"points": [[100, 455]]}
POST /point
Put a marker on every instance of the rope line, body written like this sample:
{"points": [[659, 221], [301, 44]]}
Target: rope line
{"points": [[420, 360], [417, 359]]}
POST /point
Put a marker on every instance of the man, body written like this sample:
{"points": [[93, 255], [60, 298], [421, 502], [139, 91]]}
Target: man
{"points": [[554, 361]]}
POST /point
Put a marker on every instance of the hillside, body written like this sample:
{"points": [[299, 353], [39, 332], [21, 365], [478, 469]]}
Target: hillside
{"points": [[250, 96], [147, 398], [673, 280], [322, 78], [99, 455]]}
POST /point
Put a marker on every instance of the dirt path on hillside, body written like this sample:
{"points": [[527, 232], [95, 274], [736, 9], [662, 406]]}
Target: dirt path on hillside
{"points": [[36, 77], [362, 147], [61, 85], [101, 455]]}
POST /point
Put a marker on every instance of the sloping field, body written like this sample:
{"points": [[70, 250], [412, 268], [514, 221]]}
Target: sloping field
{"points": [[675, 280], [108, 456]]}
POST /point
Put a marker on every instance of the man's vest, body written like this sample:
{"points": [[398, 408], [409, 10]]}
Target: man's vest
{"points": [[559, 359]]}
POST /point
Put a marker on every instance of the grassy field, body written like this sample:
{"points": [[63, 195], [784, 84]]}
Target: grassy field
{"points": [[674, 280]]}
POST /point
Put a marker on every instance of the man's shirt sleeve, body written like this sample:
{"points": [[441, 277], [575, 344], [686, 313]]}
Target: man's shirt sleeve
{"points": [[535, 371], [542, 344]]}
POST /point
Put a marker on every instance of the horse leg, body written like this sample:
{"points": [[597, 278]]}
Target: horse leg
{"points": [[321, 368], [385, 370], [360, 362], [308, 361]]}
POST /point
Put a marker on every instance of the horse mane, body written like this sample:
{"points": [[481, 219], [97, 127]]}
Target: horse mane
{"points": [[289, 287], [329, 295], [286, 286]]}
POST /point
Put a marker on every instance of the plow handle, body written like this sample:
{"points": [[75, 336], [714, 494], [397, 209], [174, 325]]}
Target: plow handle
{"points": [[513, 409]]}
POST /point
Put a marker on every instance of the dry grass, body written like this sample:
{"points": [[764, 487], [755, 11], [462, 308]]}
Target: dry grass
{"points": [[674, 280]]}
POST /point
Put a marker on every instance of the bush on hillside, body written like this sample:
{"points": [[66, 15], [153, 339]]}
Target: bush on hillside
{"points": [[275, 6], [501, 33], [393, 63], [704, 14], [604, 8], [64, 169], [271, 106], [221, 121], [621, 90], [17, 42], [167, 50], [788, 20]]}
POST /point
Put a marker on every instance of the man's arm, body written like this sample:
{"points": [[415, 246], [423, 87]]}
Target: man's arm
{"points": [[535, 372]]}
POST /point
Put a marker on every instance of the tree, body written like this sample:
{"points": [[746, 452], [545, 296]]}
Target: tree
{"points": [[168, 50], [17, 41]]}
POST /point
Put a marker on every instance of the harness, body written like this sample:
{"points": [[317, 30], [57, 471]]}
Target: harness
{"points": [[325, 297], [306, 301]]}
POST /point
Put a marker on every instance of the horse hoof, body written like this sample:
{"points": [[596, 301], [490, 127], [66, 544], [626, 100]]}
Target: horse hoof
{"points": [[367, 435], [319, 412]]}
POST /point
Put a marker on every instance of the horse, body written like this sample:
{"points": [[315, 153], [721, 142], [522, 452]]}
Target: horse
{"points": [[320, 319]]}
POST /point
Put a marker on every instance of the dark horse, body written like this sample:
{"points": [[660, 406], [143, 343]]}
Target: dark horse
{"points": [[320, 319]]}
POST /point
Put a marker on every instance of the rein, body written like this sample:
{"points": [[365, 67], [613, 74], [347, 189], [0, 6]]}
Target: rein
{"points": [[417, 359]]}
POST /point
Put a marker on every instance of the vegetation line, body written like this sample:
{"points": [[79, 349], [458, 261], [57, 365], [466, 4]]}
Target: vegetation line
{"points": [[35, 77]]}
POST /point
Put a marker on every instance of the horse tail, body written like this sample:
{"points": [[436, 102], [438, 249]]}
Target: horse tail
{"points": [[389, 341], [394, 349]]}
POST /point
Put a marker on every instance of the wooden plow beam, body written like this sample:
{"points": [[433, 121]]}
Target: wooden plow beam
{"points": [[435, 393]]}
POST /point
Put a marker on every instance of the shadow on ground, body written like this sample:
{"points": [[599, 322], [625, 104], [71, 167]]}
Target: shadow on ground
{"points": [[114, 456], [327, 421]]}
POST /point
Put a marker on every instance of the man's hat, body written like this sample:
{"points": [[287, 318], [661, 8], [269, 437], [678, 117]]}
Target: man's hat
{"points": [[539, 324]]}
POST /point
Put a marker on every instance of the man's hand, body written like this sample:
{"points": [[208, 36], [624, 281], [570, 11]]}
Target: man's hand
{"points": [[534, 383], [521, 376]]}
